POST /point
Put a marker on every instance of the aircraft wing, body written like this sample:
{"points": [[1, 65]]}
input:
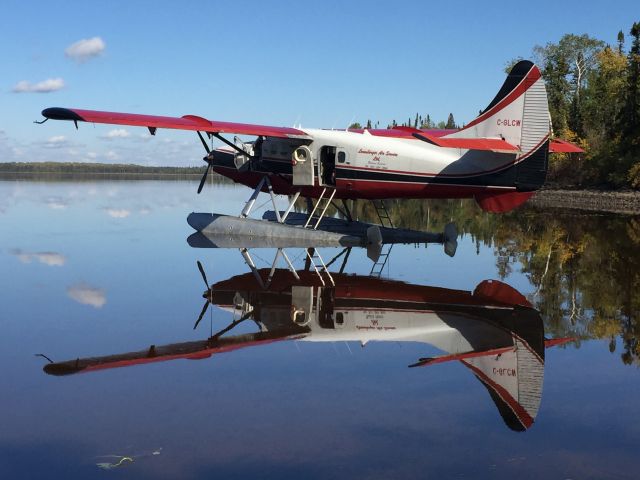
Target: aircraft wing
{"points": [[186, 122]]}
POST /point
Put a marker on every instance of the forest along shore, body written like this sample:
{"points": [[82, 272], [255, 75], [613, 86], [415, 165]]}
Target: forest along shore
{"points": [[626, 202]]}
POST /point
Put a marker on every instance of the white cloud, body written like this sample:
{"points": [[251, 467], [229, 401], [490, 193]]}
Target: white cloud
{"points": [[117, 212], [57, 203], [46, 86], [57, 141], [85, 49], [116, 133], [53, 259], [87, 295], [111, 155]]}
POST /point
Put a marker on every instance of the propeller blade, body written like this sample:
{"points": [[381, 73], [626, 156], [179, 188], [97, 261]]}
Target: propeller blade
{"points": [[204, 277], [204, 310], [204, 143], [204, 178]]}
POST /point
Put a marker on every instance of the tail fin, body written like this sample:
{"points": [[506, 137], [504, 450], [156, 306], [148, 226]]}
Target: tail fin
{"points": [[519, 113]]}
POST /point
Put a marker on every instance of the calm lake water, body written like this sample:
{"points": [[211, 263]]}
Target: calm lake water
{"points": [[524, 345]]}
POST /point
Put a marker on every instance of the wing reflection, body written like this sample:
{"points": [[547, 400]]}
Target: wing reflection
{"points": [[492, 330]]}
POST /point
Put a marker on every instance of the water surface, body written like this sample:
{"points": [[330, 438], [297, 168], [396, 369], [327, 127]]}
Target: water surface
{"points": [[95, 270]]}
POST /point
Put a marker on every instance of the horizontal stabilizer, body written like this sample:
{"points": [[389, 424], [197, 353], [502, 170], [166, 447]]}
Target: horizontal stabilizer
{"points": [[562, 146], [490, 144], [423, 362]]}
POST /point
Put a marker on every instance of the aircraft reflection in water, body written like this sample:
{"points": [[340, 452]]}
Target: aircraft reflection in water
{"points": [[493, 331]]}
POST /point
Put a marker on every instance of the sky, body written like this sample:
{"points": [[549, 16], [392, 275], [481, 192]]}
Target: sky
{"points": [[321, 64]]}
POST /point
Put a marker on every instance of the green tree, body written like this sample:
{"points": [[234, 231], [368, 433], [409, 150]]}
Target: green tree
{"points": [[451, 123], [602, 105], [427, 122], [566, 66], [620, 41], [629, 119], [630, 124]]}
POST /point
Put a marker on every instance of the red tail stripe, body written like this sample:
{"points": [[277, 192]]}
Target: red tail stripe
{"points": [[523, 86]]}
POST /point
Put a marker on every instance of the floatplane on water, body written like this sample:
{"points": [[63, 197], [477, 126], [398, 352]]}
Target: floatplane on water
{"points": [[500, 159]]}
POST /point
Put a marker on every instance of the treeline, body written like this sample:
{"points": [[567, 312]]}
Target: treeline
{"points": [[594, 99], [95, 168], [418, 121]]}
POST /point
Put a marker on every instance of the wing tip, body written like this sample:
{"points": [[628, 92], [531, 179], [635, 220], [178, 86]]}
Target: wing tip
{"points": [[58, 113]]}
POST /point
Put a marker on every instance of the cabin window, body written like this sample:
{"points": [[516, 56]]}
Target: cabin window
{"points": [[340, 318], [342, 157]]}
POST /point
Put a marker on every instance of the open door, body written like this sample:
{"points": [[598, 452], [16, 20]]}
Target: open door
{"points": [[303, 166], [328, 165]]}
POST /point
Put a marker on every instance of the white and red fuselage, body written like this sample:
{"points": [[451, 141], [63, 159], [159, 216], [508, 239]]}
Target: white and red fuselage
{"points": [[499, 158]]}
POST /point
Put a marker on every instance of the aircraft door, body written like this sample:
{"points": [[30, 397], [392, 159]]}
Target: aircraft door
{"points": [[301, 305], [328, 156], [302, 166]]}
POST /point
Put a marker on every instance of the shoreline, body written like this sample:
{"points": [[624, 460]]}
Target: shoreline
{"points": [[610, 201]]}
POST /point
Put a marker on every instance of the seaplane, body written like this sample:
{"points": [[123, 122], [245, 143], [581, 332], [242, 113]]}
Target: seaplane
{"points": [[493, 331], [499, 159]]}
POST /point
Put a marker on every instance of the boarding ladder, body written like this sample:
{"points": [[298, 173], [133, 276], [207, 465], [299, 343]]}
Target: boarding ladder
{"points": [[383, 213], [323, 202], [319, 266], [378, 266]]}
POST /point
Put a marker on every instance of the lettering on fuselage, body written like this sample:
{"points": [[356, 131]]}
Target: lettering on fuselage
{"points": [[504, 372], [377, 158], [508, 122], [375, 319]]}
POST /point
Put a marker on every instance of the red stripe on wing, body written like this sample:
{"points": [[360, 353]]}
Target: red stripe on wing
{"points": [[187, 122]]}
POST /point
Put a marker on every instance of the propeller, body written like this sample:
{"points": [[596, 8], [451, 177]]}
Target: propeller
{"points": [[247, 315], [204, 177], [207, 301], [204, 277], [204, 309], [206, 159]]}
